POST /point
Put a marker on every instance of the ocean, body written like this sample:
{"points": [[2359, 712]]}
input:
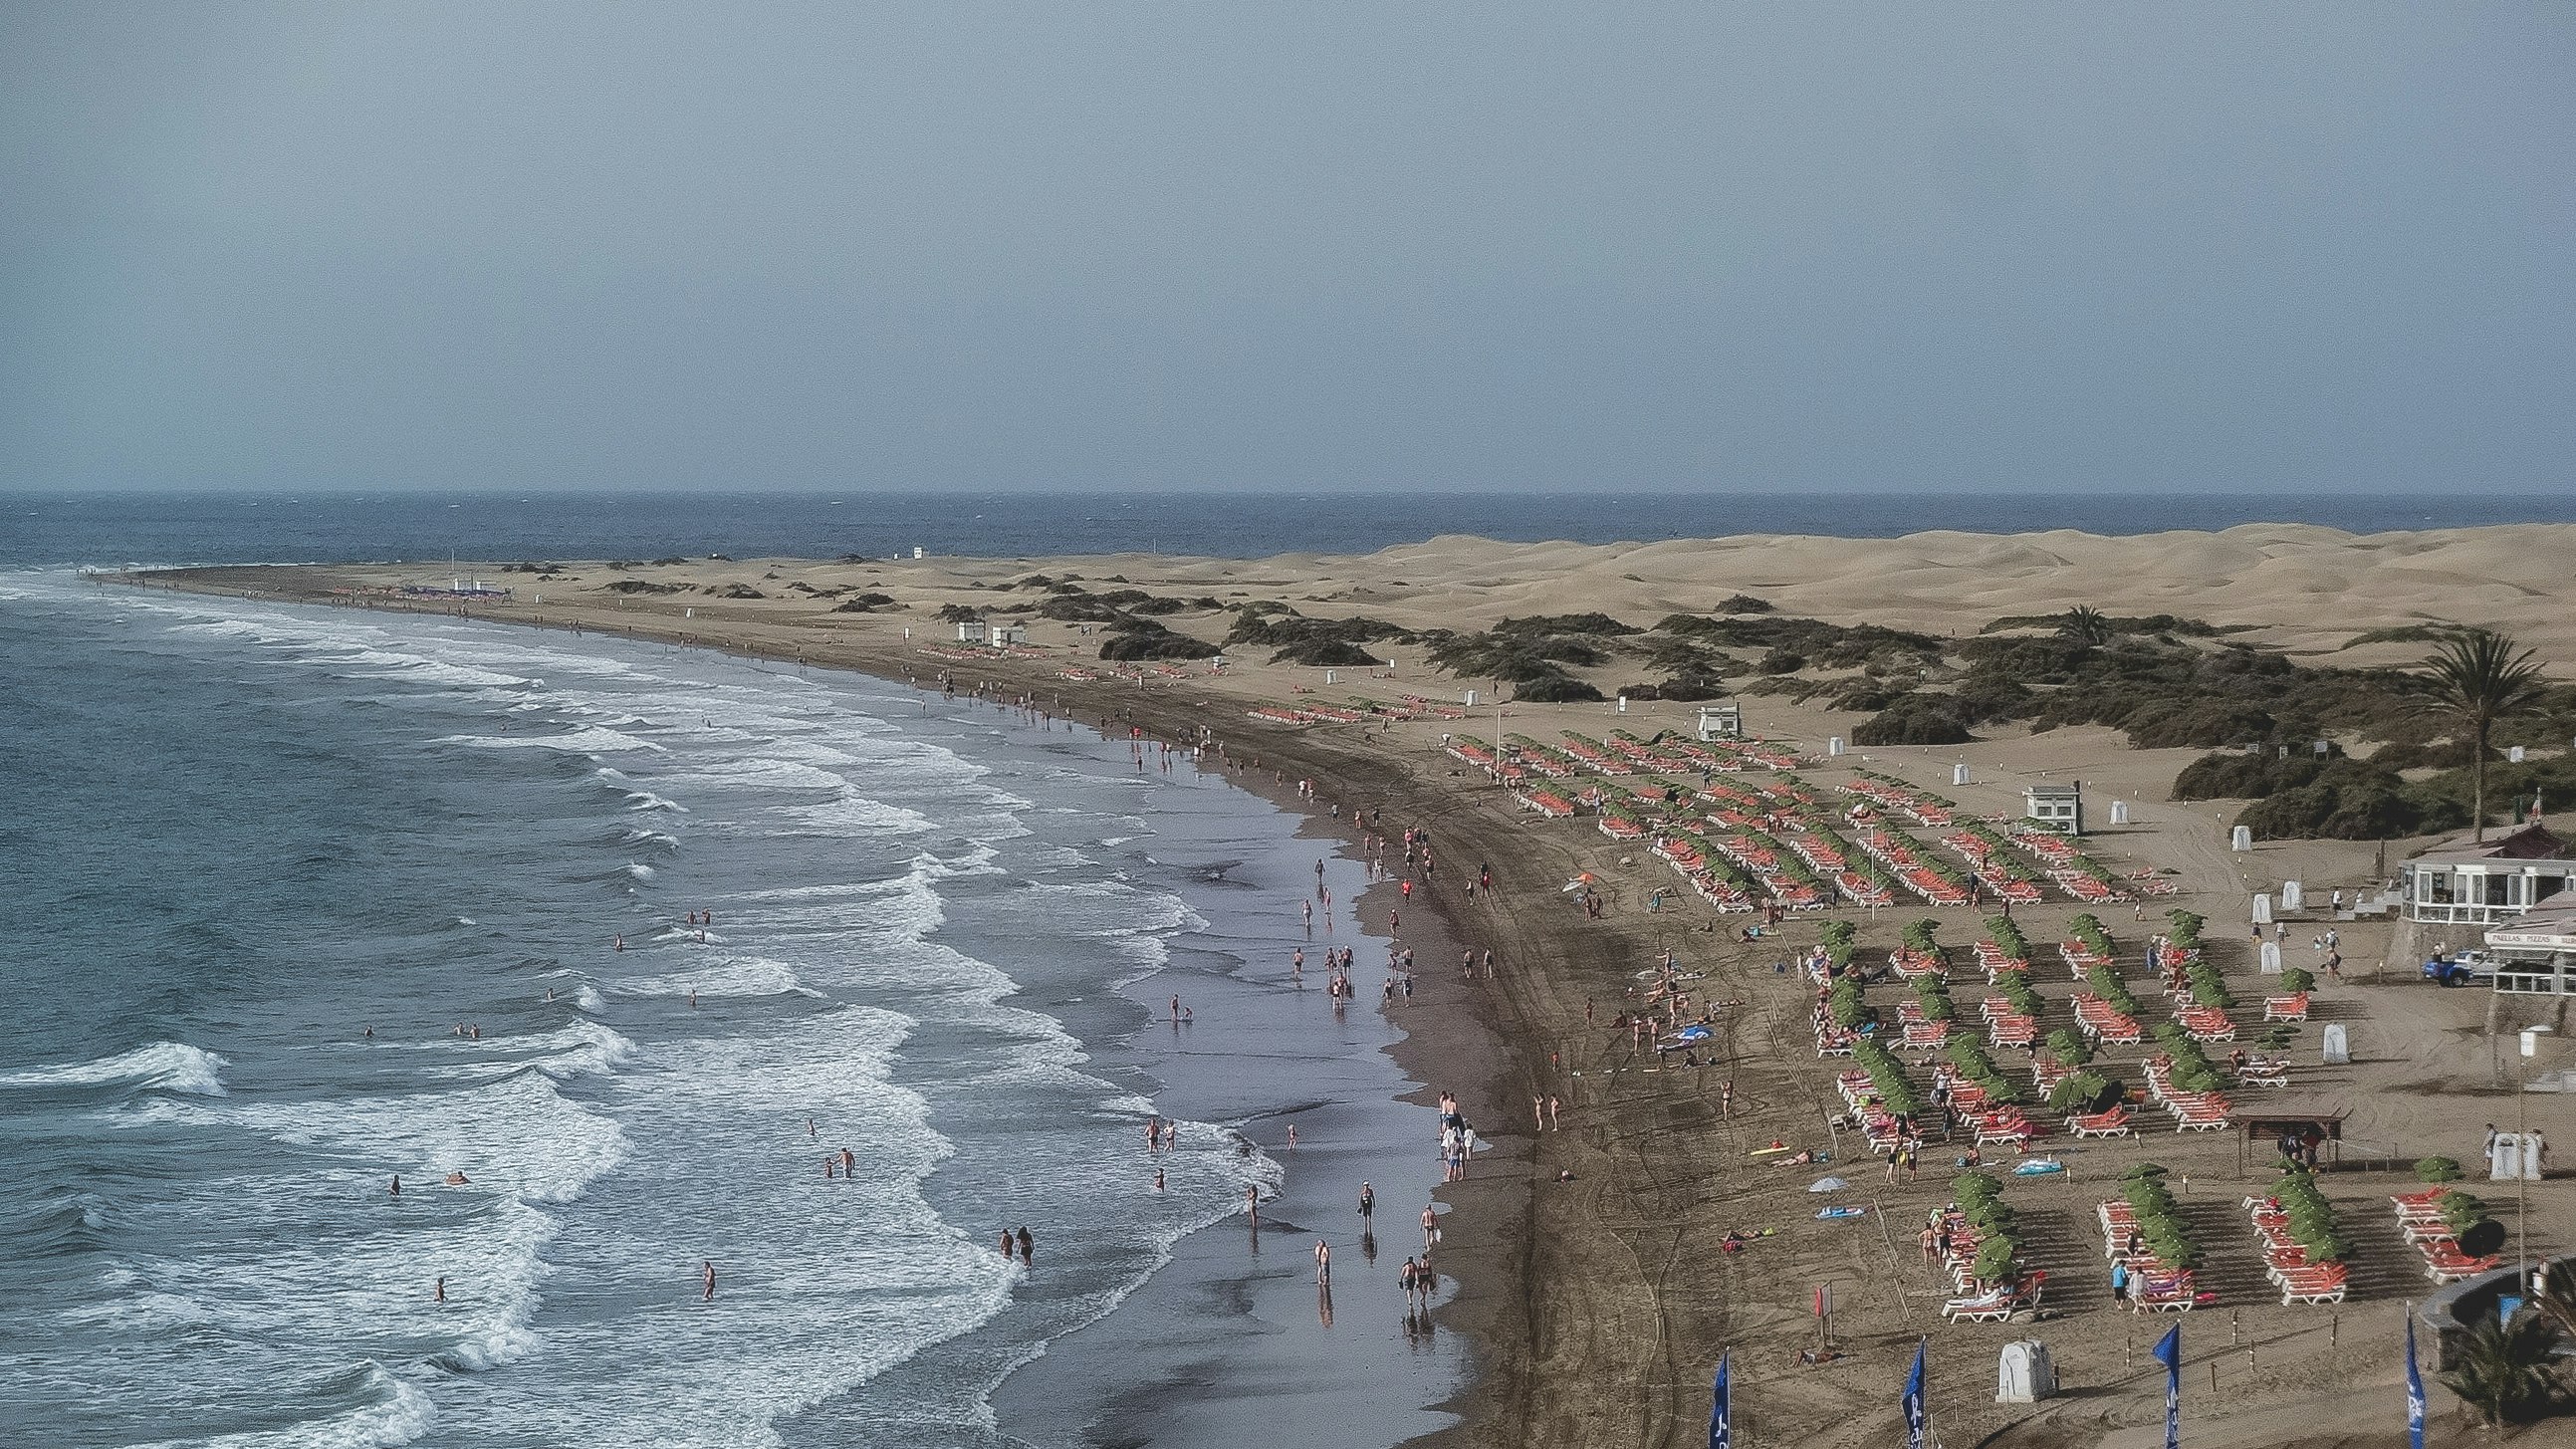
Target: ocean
{"points": [[304, 902], [174, 528]]}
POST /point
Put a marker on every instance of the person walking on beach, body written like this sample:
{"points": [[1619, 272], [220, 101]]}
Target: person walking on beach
{"points": [[1368, 1203], [1323, 1262], [1252, 1204], [1430, 1228], [1553, 1107]]}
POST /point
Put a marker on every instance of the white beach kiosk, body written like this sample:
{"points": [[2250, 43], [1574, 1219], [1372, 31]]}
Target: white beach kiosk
{"points": [[2535, 953]]}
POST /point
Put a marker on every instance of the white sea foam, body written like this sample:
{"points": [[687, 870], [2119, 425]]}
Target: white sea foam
{"points": [[587, 740], [390, 664], [589, 999], [167, 1066], [750, 976], [518, 1136], [758, 772], [397, 1412]]}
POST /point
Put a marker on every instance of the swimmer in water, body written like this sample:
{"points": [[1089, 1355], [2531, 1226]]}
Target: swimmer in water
{"points": [[709, 1296], [849, 1163], [1158, 1179], [397, 1184], [456, 1179], [621, 943], [438, 1292]]}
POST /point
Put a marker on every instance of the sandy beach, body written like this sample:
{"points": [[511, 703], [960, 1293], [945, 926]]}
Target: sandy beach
{"points": [[1585, 1262]]}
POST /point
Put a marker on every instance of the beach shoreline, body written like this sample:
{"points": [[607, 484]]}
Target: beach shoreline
{"points": [[1594, 1306]]}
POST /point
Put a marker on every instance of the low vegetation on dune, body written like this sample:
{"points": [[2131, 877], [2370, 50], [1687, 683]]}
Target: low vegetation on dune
{"points": [[1297, 639], [2162, 680]]}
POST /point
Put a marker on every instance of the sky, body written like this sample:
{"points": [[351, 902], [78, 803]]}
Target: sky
{"points": [[1755, 249]]}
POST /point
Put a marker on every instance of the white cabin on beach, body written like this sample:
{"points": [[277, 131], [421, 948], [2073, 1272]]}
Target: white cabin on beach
{"points": [[2055, 807], [972, 631], [1004, 635], [1723, 721]]}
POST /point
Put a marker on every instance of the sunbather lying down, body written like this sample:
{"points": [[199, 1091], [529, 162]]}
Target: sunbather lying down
{"points": [[1800, 1159]]}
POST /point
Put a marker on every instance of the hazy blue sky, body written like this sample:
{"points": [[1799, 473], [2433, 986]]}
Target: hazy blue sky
{"points": [[1782, 246]]}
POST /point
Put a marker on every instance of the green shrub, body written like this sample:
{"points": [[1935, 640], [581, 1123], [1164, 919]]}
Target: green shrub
{"points": [[2437, 1169], [2298, 978]]}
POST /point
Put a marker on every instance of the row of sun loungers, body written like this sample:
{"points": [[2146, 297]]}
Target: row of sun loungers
{"points": [[2192, 1111], [2419, 1217], [2152, 1284], [2104, 1023], [2286, 1263]]}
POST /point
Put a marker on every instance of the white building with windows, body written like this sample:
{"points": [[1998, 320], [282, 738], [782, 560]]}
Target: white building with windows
{"points": [[2055, 807], [2535, 952], [2463, 882], [1721, 721], [972, 631]]}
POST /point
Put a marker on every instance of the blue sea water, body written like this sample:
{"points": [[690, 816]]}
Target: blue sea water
{"points": [[303, 901], [38, 529]]}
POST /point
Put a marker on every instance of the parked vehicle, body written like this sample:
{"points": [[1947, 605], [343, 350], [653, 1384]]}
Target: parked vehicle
{"points": [[2460, 968]]}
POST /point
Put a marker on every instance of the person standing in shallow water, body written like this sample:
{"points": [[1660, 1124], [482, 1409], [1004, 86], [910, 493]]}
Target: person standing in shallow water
{"points": [[1028, 1249]]}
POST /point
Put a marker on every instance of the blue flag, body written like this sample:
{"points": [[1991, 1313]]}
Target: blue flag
{"points": [[1914, 1419], [2169, 1353], [2414, 1389], [1721, 1414]]}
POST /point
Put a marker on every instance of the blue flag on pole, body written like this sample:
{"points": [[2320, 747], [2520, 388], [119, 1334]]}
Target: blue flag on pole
{"points": [[2169, 1353], [1914, 1419], [1721, 1414], [2414, 1388]]}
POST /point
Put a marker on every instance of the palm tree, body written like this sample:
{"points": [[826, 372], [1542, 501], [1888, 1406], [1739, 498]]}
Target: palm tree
{"points": [[2478, 677], [2085, 625], [2506, 1370]]}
